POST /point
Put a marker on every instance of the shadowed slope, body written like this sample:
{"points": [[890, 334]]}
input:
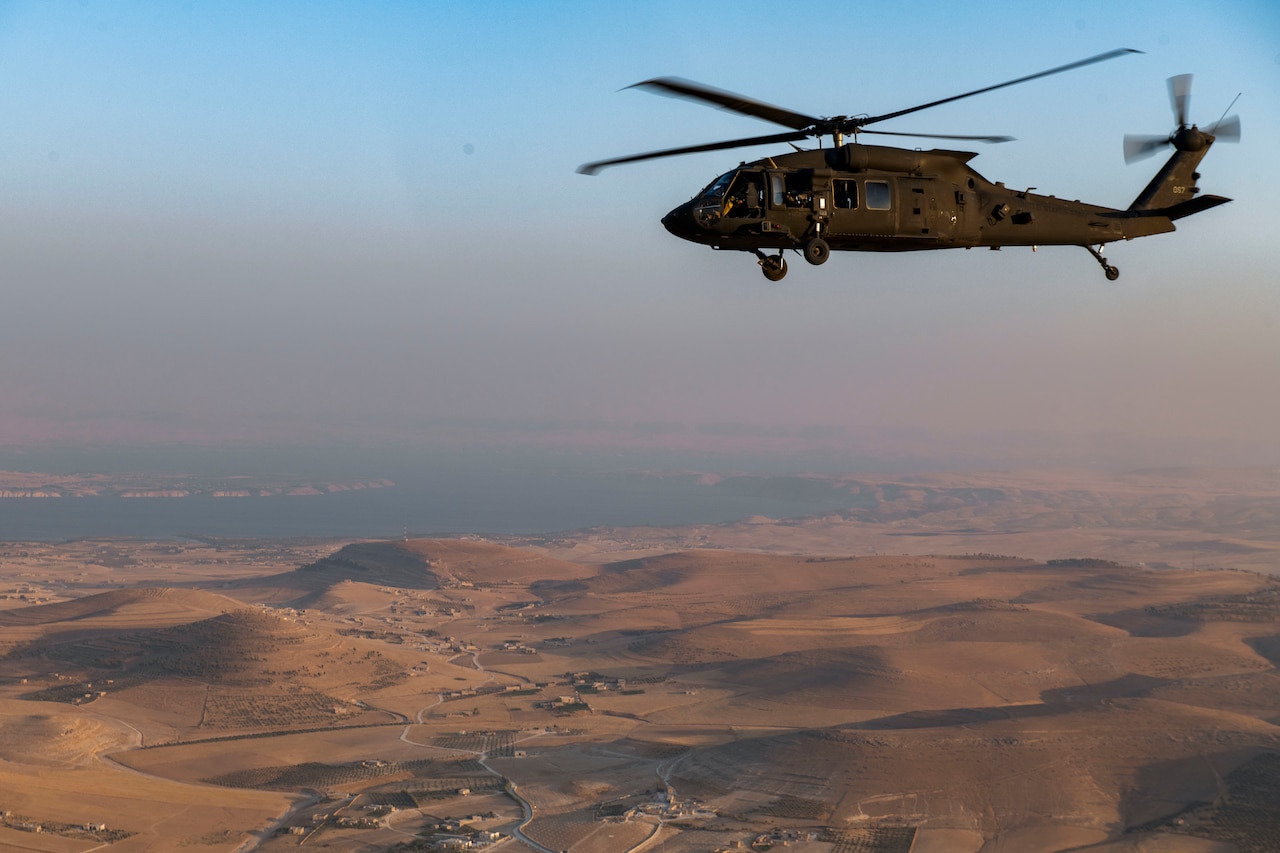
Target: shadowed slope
{"points": [[125, 606], [375, 563], [231, 647], [988, 771], [245, 669], [717, 572], [482, 562], [417, 564]]}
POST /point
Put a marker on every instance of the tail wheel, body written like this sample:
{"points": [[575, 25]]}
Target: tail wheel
{"points": [[1112, 273], [816, 251]]}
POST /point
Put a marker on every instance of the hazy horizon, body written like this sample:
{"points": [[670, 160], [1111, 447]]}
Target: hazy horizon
{"points": [[711, 448]]}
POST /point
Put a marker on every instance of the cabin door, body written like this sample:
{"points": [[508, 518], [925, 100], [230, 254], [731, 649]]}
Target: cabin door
{"points": [[862, 210], [928, 210]]}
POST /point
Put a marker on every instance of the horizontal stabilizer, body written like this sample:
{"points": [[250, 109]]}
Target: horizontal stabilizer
{"points": [[1195, 205]]}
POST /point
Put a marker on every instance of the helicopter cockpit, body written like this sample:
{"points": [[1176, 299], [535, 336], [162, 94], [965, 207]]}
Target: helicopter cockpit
{"points": [[737, 194], [748, 193]]}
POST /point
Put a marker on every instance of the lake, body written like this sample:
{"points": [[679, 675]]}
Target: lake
{"points": [[495, 494]]}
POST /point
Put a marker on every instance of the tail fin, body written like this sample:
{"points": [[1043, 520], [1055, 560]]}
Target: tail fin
{"points": [[1175, 183], [1172, 192]]}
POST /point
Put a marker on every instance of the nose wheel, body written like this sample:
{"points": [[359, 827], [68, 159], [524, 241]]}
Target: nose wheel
{"points": [[774, 267], [1112, 273]]}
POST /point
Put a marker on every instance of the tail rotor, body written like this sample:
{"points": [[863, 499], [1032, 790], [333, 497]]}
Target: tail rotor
{"points": [[1185, 137]]}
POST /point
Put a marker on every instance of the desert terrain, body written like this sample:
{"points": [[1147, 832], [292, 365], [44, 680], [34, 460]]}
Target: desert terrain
{"points": [[956, 664]]}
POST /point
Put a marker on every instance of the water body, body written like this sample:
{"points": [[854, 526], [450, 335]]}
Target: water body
{"points": [[495, 495]]}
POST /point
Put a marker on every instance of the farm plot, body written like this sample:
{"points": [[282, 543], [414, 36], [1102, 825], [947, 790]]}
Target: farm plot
{"points": [[873, 839], [490, 743], [257, 710], [684, 840], [611, 837], [562, 831]]}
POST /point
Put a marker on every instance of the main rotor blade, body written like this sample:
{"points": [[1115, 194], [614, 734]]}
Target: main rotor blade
{"points": [[678, 87], [942, 136], [1180, 97], [594, 168], [1140, 147], [1227, 130], [1102, 57]]}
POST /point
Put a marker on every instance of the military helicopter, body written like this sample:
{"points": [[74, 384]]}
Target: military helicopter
{"points": [[869, 198]]}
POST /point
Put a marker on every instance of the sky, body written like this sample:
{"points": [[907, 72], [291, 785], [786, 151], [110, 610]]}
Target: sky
{"points": [[244, 223]]}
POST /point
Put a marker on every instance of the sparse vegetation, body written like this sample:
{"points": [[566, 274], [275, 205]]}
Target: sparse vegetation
{"points": [[438, 776], [872, 839], [300, 707], [1262, 605], [1247, 816], [797, 808], [491, 743]]}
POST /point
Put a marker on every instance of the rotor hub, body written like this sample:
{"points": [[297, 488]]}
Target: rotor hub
{"points": [[1190, 139]]}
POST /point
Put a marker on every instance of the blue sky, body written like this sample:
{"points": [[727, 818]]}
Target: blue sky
{"points": [[307, 221]]}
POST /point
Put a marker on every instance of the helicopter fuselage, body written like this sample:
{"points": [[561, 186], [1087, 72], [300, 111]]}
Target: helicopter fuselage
{"points": [[874, 198]]}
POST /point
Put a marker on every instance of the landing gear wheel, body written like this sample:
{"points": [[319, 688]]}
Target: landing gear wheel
{"points": [[774, 268], [816, 251], [1112, 273]]}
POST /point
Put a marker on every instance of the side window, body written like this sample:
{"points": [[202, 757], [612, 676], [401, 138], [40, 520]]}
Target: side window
{"points": [[877, 195], [777, 189], [846, 193], [799, 189]]}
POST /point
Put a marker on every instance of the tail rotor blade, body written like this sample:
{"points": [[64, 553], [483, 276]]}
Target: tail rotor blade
{"points": [[1140, 147], [1180, 97], [1227, 130]]}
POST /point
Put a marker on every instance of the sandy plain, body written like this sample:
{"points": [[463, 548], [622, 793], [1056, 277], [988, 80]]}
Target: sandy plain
{"points": [[997, 662]]}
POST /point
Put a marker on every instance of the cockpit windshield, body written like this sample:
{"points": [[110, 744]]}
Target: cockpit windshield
{"points": [[718, 187]]}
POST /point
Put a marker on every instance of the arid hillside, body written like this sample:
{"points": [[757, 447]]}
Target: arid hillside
{"points": [[697, 698], [1178, 518]]}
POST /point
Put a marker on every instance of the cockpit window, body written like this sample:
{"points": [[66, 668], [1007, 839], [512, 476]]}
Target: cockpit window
{"points": [[719, 185]]}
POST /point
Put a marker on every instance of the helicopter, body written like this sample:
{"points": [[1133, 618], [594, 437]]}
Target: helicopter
{"points": [[854, 197]]}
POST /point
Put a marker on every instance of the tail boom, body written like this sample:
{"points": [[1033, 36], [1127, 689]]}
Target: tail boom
{"points": [[1174, 186]]}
